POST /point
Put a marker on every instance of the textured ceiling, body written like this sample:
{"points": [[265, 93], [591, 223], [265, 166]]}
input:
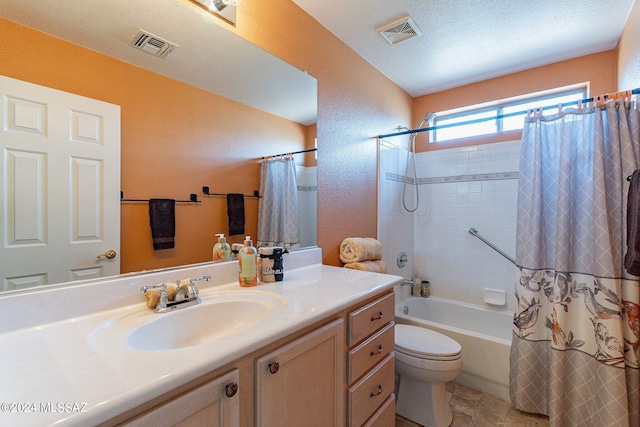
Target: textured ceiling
{"points": [[209, 56], [466, 41], [463, 41]]}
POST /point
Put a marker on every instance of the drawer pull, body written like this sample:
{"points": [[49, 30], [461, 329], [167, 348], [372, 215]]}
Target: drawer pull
{"points": [[377, 393], [373, 353], [378, 317], [231, 389], [273, 367]]}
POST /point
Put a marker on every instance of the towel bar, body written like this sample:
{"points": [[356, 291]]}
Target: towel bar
{"points": [[205, 191], [193, 198]]}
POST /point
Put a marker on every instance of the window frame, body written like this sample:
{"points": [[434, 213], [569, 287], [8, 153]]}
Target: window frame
{"points": [[498, 106]]}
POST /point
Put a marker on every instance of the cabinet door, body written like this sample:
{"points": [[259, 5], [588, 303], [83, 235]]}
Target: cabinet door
{"points": [[301, 383], [214, 404]]}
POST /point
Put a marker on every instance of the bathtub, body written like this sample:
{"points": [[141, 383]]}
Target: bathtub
{"points": [[484, 334]]}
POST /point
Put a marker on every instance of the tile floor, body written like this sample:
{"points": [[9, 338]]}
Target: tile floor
{"points": [[472, 408]]}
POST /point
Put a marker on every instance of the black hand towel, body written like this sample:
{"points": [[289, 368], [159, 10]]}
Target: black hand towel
{"points": [[632, 257], [235, 211], [163, 222]]}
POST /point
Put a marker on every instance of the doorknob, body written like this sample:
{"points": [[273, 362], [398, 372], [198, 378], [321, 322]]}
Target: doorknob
{"points": [[110, 254]]}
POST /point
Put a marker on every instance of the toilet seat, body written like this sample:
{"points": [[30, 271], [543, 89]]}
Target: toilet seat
{"points": [[426, 344]]}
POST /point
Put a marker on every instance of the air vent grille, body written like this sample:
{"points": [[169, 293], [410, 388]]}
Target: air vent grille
{"points": [[152, 44], [399, 31]]}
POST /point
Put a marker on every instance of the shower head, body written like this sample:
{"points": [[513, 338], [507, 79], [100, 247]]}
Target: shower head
{"points": [[426, 119]]}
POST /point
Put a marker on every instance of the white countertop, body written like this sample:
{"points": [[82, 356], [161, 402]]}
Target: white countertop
{"points": [[63, 361]]}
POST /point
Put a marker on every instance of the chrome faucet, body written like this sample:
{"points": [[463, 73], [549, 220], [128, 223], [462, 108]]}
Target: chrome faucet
{"points": [[185, 292], [186, 295]]}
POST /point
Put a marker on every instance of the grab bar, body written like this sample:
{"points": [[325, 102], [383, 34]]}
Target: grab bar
{"points": [[491, 245]]}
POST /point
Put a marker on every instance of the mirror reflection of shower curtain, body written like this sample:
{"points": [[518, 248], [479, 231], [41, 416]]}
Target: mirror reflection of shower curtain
{"points": [[278, 212]]}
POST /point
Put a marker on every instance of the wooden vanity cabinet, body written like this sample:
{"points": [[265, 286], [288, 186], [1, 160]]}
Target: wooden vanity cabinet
{"points": [[335, 372], [371, 364], [214, 404], [300, 383]]}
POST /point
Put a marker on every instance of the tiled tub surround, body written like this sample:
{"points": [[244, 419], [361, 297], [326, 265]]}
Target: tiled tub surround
{"points": [[459, 189], [308, 204], [48, 356]]}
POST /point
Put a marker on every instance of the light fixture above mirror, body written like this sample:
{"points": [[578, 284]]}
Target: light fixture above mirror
{"points": [[221, 4], [224, 9]]}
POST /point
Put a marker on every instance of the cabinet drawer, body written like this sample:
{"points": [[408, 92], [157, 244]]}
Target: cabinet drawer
{"points": [[385, 416], [368, 319], [371, 391], [373, 350]]}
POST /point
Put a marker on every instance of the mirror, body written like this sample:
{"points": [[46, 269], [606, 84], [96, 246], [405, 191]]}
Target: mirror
{"points": [[201, 116]]}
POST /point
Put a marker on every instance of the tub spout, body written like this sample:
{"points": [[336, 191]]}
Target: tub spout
{"points": [[408, 283]]}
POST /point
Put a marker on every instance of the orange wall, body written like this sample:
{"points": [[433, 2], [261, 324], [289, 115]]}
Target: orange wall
{"points": [[174, 142], [310, 142], [598, 69], [629, 52], [355, 103]]}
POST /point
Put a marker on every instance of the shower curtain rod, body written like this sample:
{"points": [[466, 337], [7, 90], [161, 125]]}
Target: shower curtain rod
{"points": [[295, 152], [499, 116]]}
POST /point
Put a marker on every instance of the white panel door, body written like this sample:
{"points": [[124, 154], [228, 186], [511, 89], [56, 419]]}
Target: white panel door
{"points": [[60, 186]]}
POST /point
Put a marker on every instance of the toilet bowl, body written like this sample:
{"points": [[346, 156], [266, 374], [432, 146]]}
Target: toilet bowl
{"points": [[425, 361]]}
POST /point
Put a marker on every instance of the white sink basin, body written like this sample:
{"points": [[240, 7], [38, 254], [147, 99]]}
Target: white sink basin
{"points": [[219, 315]]}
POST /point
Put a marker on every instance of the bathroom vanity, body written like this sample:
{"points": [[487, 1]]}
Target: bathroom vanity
{"points": [[315, 349]]}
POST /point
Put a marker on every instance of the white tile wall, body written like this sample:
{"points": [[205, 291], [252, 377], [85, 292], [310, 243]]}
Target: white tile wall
{"points": [[307, 178], [395, 225], [457, 264]]}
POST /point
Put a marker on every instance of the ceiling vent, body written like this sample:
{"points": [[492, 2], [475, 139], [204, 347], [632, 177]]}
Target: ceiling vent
{"points": [[152, 44], [399, 31]]}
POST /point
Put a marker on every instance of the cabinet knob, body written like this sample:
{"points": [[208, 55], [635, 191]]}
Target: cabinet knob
{"points": [[377, 392], [373, 353], [231, 389], [273, 367], [378, 317]]}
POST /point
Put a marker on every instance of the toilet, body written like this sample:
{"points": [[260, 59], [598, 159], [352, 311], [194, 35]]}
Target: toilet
{"points": [[425, 361]]}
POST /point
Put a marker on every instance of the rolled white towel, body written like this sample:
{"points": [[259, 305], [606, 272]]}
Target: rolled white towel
{"points": [[357, 249], [377, 266]]}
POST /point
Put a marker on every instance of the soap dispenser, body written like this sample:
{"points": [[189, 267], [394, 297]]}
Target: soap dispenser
{"points": [[221, 250], [248, 263]]}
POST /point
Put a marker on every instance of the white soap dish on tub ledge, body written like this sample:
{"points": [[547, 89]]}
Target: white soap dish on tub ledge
{"points": [[495, 297]]}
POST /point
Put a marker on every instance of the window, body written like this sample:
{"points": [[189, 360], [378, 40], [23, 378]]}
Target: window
{"points": [[487, 118]]}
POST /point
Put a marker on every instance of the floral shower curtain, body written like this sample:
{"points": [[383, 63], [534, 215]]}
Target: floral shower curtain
{"points": [[574, 354], [278, 216]]}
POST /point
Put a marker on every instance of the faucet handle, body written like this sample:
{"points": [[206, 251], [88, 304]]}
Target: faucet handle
{"points": [[145, 288], [193, 289], [163, 300], [164, 297]]}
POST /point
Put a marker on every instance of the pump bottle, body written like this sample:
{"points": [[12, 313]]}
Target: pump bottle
{"points": [[221, 250], [248, 264]]}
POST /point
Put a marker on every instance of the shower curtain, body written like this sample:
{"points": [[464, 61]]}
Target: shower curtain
{"points": [[574, 353], [278, 217]]}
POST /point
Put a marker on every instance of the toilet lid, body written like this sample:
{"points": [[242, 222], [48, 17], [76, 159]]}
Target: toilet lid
{"points": [[425, 343]]}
